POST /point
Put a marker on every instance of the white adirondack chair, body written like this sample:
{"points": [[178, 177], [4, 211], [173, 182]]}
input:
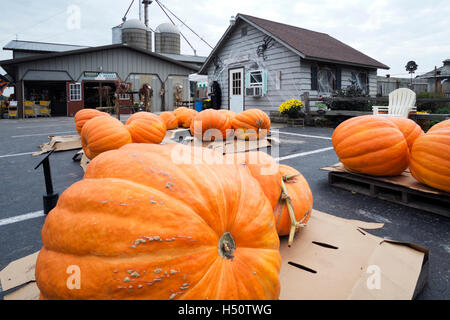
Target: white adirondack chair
{"points": [[401, 102]]}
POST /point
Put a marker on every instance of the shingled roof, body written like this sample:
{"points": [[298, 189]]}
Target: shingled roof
{"points": [[309, 44]]}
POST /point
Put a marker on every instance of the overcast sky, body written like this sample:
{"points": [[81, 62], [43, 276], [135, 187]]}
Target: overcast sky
{"points": [[390, 31]]}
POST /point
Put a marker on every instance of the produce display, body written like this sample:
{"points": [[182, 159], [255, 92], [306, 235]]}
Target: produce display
{"points": [[184, 116], [170, 120], [146, 127], [218, 124], [251, 124], [82, 116], [228, 113], [139, 226]]}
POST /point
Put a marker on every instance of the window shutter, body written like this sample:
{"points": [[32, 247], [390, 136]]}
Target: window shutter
{"points": [[338, 78], [314, 84], [264, 82], [247, 80]]}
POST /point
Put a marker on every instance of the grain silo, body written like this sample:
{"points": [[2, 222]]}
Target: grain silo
{"points": [[167, 39], [136, 34]]}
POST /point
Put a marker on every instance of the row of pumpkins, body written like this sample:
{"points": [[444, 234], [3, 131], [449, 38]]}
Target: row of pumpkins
{"points": [[379, 146], [100, 132], [140, 225]]}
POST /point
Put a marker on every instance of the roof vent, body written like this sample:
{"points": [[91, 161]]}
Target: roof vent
{"points": [[232, 21]]}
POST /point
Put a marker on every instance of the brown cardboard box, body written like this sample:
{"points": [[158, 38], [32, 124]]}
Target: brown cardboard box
{"points": [[330, 259]]}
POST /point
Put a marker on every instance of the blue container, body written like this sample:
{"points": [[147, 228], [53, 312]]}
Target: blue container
{"points": [[198, 106]]}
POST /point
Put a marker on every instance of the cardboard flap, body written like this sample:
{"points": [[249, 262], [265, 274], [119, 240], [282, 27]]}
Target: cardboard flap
{"points": [[18, 272], [28, 292], [60, 143]]}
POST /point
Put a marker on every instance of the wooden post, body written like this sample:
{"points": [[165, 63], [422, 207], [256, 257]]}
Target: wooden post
{"points": [[305, 98]]}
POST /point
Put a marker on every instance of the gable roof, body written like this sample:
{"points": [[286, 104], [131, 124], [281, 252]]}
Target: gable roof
{"points": [[307, 44]]}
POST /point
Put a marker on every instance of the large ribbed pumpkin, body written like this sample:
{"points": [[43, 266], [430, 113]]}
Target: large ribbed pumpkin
{"points": [[264, 169], [301, 197], [102, 134], [146, 127], [440, 125], [228, 113], [84, 115], [371, 145], [430, 159], [170, 120], [411, 130], [184, 116], [139, 226], [251, 124], [210, 125]]}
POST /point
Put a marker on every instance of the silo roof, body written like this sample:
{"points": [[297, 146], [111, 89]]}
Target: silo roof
{"points": [[134, 24], [167, 28]]}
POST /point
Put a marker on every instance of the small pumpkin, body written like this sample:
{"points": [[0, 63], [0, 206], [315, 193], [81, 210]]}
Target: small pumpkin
{"points": [[251, 124], [102, 134], [170, 120], [146, 127], [430, 159], [210, 125], [411, 130], [301, 198], [440, 125], [371, 145], [140, 226], [84, 115], [184, 116]]}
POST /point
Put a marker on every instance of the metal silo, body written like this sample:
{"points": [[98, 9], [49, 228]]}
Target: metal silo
{"points": [[136, 34], [167, 39]]}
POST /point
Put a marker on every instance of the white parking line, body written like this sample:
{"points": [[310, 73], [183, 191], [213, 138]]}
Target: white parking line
{"points": [[298, 155], [43, 134], [17, 154], [303, 135], [28, 216]]}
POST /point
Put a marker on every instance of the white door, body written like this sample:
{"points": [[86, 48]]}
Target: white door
{"points": [[236, 89]]}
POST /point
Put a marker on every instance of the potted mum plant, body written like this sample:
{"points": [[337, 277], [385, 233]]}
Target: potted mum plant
{"points": [[292, 108]]}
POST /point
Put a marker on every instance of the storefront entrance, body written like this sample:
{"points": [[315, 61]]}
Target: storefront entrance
{"points": [[55, 92]]}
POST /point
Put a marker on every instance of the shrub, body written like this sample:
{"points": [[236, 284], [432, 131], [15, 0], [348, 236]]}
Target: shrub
{"points": [[351, 91], [432, 107]]}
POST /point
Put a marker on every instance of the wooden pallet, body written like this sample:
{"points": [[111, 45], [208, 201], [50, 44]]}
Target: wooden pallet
{"points": [[403, 189]]}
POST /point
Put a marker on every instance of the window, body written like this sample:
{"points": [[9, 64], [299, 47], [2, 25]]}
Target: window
{"points": [[244, 31], [326, 79], [359, 79], [256, 79], [75, 92], [237, 84]]}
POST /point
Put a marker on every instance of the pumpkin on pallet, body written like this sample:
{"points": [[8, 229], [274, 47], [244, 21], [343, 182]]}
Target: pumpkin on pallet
{"points": [[84, 115], [169, 119], [411, 130], [440, 125], [371, 145], [210, 125], [184, 116], [146, 127], [251, 124], [430, 159], [141, 226], [102, 134], [228, 113]]}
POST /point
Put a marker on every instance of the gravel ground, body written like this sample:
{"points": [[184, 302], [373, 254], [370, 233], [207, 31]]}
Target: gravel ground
{"points": [[22, 187]]}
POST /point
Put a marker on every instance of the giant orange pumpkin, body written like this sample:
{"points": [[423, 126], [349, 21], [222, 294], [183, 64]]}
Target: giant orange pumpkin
{"points": [[102, 134], [146, 127], [210, 125], [430, 159], [228, 113], [184, 116], [84, 115], [371, 145], [251, 124], [170, 120], [411, 130], [140, 226], [440, 125], [301, 198]]}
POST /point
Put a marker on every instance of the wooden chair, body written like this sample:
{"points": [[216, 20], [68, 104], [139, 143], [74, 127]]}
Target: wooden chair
{"points": [[29, 109], [45, 109], [401, 102]]}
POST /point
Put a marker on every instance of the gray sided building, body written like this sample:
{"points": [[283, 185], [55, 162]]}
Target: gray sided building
{"points": [[260, 64]]}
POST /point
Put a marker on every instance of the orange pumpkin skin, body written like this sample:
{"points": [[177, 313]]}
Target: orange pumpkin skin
{"points": [[146, 127], [84, 115], [170, 120], [228, 113], [371, 145], [251, 124], [430, 159], [264, 169], [102, 134], [139, 226], [301, 198], [213, 120], [184, 116], [411, 130], [440, 125]]}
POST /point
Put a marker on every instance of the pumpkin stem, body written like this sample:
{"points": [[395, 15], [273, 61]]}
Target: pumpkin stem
{"points": [[226, 246]]}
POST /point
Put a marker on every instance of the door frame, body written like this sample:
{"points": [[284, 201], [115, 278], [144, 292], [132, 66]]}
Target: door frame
{"points": [[243, 86]]}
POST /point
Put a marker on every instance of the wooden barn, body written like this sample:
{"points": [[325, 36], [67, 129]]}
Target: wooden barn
{"points": [[260, 63]]}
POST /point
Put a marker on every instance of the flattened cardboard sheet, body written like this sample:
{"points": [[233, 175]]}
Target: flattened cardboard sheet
{"points": [[60, 143]]}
